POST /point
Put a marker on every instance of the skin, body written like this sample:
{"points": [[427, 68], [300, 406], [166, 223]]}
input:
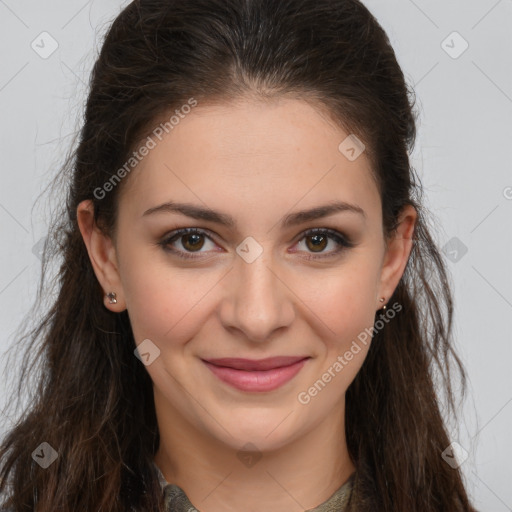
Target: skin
{"points": [[256, 162]]}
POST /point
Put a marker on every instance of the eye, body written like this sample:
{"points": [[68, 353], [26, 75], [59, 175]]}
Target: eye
{"points": [[192, 240], [316, 240]]}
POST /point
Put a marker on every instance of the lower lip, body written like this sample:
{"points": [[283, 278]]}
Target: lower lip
{"points": [[264, 380]]}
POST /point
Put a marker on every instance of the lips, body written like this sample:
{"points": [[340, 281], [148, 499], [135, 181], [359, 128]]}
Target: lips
{"points": [[253, 364], [256, 375]]}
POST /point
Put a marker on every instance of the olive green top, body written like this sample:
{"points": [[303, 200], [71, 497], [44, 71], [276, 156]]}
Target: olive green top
{"points": [[176, 500]]}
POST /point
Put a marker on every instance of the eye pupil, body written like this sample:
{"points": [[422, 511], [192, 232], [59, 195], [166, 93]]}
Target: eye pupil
{"points": [[318, 241], [197, 238]]}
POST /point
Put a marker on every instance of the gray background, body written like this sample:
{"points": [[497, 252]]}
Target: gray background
{"points": [[462, 155]]}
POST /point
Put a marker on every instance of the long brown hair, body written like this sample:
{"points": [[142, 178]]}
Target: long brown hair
{"points": [[93, 402]]}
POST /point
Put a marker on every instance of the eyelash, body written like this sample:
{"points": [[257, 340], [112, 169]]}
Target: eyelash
{"points": [[342, 241]]}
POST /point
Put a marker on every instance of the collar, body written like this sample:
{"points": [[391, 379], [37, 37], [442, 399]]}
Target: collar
{"points": [[176, 500]]}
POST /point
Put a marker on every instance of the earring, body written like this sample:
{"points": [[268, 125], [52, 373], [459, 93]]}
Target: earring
{"points": [[112, 297], [383, 307]]}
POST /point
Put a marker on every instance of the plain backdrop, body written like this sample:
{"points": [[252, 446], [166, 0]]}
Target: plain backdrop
{"points": [[458, 57]]}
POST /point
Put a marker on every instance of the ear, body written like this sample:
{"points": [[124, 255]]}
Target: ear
{"points": [[102, 254], [397, 254]]}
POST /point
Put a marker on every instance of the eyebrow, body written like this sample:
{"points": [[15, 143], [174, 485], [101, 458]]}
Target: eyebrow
{"points": [[292, 219]]}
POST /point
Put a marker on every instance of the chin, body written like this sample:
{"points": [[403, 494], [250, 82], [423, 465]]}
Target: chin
{"points": [[263, 429]]}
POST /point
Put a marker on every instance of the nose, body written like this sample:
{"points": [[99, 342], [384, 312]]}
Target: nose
{"points": [[257, 300]]}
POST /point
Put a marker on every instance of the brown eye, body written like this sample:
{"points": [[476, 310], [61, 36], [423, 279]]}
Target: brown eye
{"points": [[185, 242], [192, 242], [318, 242]]}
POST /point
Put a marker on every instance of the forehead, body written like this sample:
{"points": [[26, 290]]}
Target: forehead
{"points": [[251, 155]]}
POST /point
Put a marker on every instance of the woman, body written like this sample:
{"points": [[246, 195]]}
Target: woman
{"points": [[251, 309]]}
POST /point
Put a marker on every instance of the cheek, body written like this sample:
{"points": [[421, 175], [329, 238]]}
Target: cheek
{"points": [[345, 307], [164, 303], [343, 300], [345, 303]]}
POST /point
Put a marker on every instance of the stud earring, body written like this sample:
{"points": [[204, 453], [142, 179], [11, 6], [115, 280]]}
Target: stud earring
{"points": [[383, 307], [112, 297]]}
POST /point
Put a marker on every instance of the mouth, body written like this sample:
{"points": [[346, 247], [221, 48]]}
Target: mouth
{"points": [[256, 375]]}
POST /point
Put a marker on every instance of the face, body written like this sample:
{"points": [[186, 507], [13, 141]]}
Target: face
{"points": [[251, 279]]}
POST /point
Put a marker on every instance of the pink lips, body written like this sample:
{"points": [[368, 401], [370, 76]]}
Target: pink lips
{"points": [[253, 375]]}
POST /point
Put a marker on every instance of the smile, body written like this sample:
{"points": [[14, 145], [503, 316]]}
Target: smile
{"points": [[253, 375]]}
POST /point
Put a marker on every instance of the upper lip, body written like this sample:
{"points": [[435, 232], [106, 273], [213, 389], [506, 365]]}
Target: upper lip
{"points": [[256, 364]]}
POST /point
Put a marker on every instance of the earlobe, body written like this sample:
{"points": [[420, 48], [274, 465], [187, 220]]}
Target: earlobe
{"points": [[397, 252], [102, 254]]}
